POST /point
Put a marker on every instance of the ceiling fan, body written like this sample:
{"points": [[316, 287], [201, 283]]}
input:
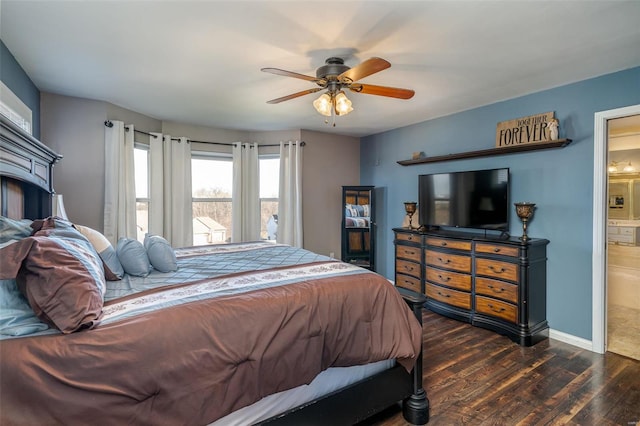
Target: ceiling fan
{"points": [[334, 76]]}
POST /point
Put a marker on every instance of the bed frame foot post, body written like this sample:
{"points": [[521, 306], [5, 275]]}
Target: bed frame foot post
{"points": [[415, 409]]}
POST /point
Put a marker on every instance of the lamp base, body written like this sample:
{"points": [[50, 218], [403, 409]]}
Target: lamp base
{"points": [[524, 211], [524, 236]]}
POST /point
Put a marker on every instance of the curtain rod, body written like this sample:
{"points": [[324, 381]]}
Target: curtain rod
{"points": [[302, 143], [109, 124]]}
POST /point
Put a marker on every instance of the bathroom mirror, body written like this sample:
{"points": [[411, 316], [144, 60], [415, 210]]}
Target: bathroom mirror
{"points": [[624, 197]]}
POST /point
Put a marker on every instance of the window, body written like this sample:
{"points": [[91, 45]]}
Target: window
{"points": [[14, 109], [211, 192], [211, 186], [212, 182], [269, 190], [141, 169]]}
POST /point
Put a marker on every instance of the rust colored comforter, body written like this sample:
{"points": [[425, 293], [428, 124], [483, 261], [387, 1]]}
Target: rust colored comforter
{"points": [[195, 362]]}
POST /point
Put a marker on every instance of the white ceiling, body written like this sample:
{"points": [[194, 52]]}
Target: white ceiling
{"points": [[199, 61]]}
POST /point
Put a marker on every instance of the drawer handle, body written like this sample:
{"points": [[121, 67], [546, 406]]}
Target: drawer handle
{"points": [[496, 270], [496, 250], [410, 237], [496, 310], [409, 252], [497, 290], [445, 261], [444, 278], [443, 244], [443, 295], [408, 268]]}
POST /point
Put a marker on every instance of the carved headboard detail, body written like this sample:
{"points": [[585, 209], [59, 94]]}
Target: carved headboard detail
{"points": [[26, 173]]}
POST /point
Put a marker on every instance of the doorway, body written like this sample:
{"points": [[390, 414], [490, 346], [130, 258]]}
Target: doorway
{"points": [[623, 237], [616, 252]]}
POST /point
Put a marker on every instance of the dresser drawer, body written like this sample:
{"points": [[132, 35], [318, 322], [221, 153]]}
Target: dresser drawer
{"points": [[409, 252], [497, 308], [448, 278], [448, 296], [627, 239], [452, 244], [496, 249], [413, 238], [408, 282], [448, 260], [495, 288], [497, 269], [408, 268], [627, 231]]}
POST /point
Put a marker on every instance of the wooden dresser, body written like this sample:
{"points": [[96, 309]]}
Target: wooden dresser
{"points": [[498, 284]]}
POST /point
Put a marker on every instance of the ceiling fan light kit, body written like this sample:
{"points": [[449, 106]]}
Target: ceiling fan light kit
{"points": [[326, 104], [334, 76]]}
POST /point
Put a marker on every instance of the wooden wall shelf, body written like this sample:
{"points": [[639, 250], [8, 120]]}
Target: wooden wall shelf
{"points": [[488, 152]]}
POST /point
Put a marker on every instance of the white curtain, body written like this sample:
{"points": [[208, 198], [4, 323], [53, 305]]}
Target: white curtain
{"points": [[290, 199], [170, 208], [119, 191], [245, 205], [156, 184]]}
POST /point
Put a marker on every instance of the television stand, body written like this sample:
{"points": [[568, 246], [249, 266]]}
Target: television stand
{"points": [[498, 284]]}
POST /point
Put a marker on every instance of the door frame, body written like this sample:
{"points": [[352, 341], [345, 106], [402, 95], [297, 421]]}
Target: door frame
{"points": [[599, 259]]}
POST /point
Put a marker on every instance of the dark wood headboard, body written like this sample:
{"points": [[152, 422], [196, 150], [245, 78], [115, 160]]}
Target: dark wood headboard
{"points": [[26, 173]]}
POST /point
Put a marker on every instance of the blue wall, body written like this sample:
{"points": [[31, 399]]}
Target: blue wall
{"points": [[12, 74], [559, 181]]}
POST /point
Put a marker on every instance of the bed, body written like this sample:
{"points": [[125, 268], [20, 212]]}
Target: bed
{"points": [[251, 333], [357, 215]]}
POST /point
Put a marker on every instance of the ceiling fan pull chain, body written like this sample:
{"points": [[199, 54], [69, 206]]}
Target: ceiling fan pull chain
{"points": [[333, 110]]}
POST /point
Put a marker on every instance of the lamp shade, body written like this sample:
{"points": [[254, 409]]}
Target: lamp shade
{"points": [[343, 104], [323, 104], [57, 206]]}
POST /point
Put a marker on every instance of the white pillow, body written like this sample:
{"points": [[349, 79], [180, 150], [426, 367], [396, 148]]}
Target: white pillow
{"points": [[106, 251]]}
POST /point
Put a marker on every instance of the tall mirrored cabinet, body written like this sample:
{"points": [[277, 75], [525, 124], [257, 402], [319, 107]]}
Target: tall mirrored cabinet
{"points": [[358, 226]]}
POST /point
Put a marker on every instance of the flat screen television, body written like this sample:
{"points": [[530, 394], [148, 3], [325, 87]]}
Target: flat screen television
{"points": [[477, 199]]}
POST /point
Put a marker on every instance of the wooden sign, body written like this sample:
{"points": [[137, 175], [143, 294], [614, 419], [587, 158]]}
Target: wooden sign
{"points": [[525, 130]]}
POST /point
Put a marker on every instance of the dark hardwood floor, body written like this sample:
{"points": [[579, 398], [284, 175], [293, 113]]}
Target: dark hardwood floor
{"points": [[475, 376]]}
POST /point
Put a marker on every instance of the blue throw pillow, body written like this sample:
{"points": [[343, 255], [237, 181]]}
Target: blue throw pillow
{"points": [[133, 257], [160, 253], [14, 229]]}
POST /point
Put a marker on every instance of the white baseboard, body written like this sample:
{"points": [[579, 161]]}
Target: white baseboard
{"points": [[570, 339]]}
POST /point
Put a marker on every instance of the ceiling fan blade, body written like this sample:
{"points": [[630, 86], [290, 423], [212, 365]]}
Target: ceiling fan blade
{"points": [[293, 95], [364, 69], [278, 71], [391, 92]]}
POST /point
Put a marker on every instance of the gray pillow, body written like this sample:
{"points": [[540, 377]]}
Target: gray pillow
{"points": [[133, 257], [161, 254]]}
